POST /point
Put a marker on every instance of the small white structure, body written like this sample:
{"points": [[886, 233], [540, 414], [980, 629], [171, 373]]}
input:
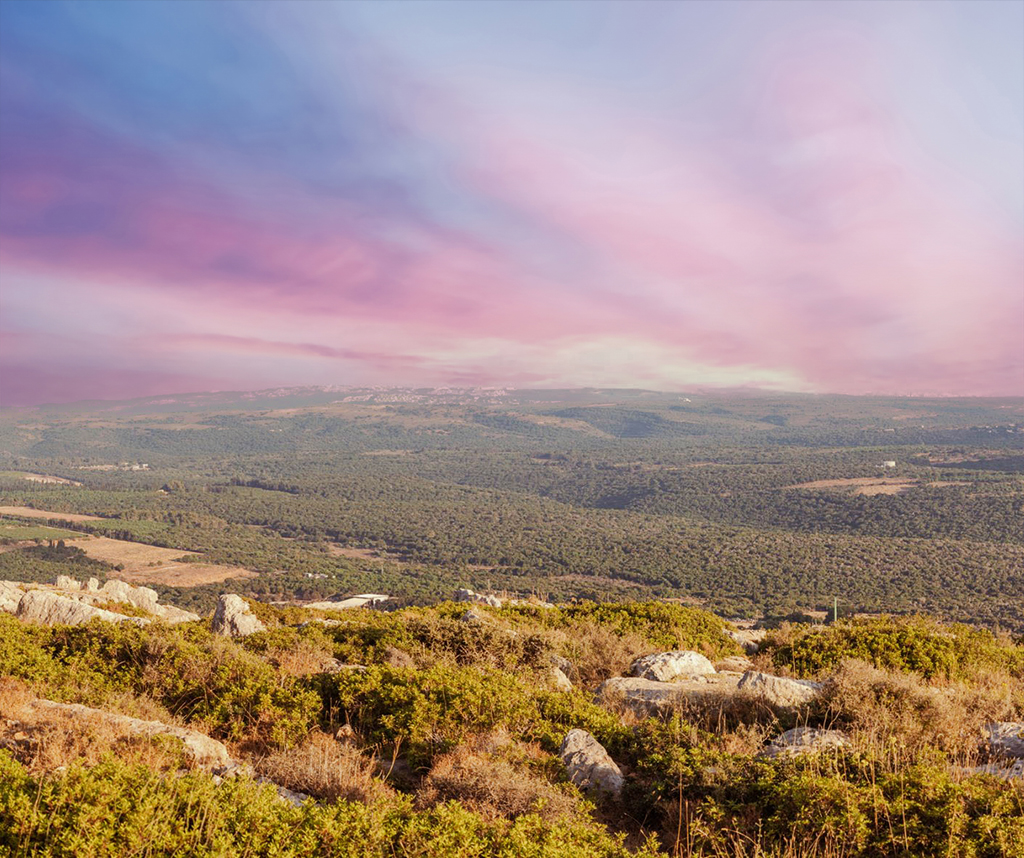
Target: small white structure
{"points": [[889, 464]]}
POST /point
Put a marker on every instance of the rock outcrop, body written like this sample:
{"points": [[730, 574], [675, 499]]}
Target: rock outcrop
{"points": [[734, 664], [200, 750], [464, 594], [749, 639], [588, 765], [50, 604], [804, 740], [233, 617], [668, 666], [650, 697], [779, 692], [1005, 739], [10, 596], [53, 609]]}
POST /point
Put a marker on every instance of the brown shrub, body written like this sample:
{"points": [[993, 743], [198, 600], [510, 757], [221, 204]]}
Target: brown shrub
{"points": [[303, 658], [597, 652], [901, 711], [323, 767], [44, 740], [498, 778]]}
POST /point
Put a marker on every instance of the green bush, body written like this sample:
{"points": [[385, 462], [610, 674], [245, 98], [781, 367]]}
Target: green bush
{"points": [[913, 645], [113, 810], [663, 625], [429, 712]]}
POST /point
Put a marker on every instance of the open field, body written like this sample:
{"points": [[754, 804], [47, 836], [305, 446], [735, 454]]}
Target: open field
{"points": [[18, 530], [29, 512], [864, 485], [150, 564], [184, 574]]}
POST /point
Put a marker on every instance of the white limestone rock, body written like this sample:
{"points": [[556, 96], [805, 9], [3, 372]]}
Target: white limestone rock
{"points": [[779, 692], [1005, 739], [588, 765], [464, 594], [65, 582], [668, 666], [233, 617], [52, 609], [734, 664], [10, 596], [804, 740], [559, 680]]}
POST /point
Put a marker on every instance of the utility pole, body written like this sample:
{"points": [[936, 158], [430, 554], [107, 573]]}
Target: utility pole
{"points": [[835, 609]]}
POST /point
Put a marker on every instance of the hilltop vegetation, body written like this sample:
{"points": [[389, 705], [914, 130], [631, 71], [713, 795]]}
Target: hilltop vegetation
{"points": [[444, 740]]}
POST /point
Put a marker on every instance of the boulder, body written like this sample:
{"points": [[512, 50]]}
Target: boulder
{"points": [[667, 666], [749, 639], [64, 582], [649, 697], [564, 665], [559, 680], [92, 585], [200, 749], [588, 765], [472, 616], [464, 594], [52, 609], [119, 591], [734, 664], [1012, 772], [1005, 739], [233, 617], [172, 614], [10, 596], [779, 692], [804, 740]]}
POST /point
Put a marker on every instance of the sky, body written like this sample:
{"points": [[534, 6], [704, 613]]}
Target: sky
{"points": [[805, 196]]}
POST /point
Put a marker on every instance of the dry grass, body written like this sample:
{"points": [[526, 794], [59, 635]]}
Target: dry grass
{"points": [[45, 740], [497, 778], [325, 768], [301, 658], [596, 652], [28, 512], [888, 710]]}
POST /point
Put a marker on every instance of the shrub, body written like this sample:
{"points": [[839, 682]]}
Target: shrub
{"points": [[111, 810], [913, 645]]}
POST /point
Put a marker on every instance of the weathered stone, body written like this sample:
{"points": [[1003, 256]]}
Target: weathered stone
{"points": [[564, 665], [560, 680], [749, 639], [472, 616], [233, 617], [804, 740], [120, 591], [10, 596], [779, 692], [734, 664], [649, 697], [52, 609], [667, 666], [172, 614], [588, 765], [1005, 739], [200, 749], [65, 582], [464, 594], [92, 585]]}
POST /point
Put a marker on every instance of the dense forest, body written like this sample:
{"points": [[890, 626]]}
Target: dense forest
{"points": [[751, 505]]}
